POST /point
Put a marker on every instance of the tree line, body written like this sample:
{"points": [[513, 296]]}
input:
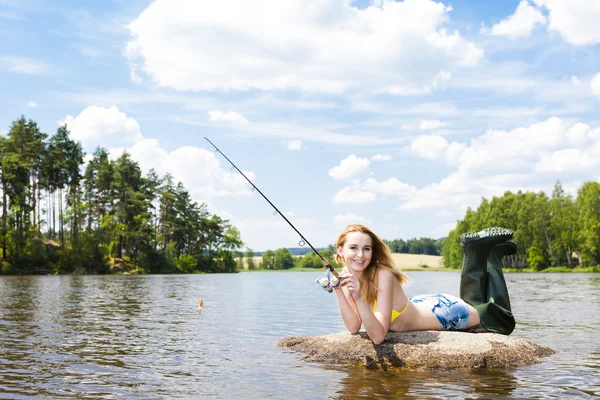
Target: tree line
{"points": [[429, 246], [555, 231], [287, 258], [60, 218]]}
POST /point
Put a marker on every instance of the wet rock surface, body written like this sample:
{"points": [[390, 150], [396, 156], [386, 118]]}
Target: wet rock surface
{"points": [[418, 350]]}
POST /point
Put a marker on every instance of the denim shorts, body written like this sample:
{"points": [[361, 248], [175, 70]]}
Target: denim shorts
{"points": [[451, 311]]}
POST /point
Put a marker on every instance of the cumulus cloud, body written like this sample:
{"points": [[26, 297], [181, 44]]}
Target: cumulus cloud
{"points": [[391, 187], [506, 160], [199, 170], [349, 167], [429, 146], [226, 116], [292, 144], [521, 23], [436, 147], [32, 104], [108, 127], [326, 45], [455, 189], [575, 20]]}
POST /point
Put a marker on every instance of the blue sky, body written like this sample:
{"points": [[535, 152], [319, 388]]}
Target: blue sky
{"points": [[398, 115]]}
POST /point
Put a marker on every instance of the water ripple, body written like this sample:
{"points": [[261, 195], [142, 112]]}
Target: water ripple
{"points": [[141, 337]]}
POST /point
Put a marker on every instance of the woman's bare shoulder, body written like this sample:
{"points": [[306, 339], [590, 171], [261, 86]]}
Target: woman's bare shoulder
{"points": [[385, 275]]}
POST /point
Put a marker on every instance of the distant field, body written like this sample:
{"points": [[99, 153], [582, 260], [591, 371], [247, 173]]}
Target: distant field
{"points": [[403, 261], [417, 261]]}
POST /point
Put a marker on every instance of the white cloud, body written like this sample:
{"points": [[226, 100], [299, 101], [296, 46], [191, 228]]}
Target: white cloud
{"points": [[343, 220], [199, 170], [515, 150], [108, 127], [568, 160], [381, 157], [349, 167], [32, 104], [455, 189], [429, 146], [325, 46], [595, 84], [292, 144], [367, 192], [521, 23], [436, 147], [226, 116], [575, 20], [507, 160], [391, 187], [576, 81], [426, 125]]}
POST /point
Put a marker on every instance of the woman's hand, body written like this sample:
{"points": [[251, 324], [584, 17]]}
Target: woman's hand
{"points": [[352, 284]]}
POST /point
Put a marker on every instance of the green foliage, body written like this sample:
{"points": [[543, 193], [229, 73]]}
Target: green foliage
{"points": [[536, 258], [416, 246], [250, 259], [547, 230], [268, 260], [310, 260], [283, 259], [186, 264]]}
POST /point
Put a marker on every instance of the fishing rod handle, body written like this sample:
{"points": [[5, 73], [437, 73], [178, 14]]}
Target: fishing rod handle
{"points": [[330, 267]]}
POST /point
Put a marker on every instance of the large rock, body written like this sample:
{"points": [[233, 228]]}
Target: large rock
{"points": [[418, 350]]}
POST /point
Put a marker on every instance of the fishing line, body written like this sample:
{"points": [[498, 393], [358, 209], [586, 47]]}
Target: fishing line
{"points": [[303, 240]]}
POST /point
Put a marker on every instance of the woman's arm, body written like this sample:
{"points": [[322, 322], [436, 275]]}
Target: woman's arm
{"points": [[348, 310], [347, 307], [377, 324]]}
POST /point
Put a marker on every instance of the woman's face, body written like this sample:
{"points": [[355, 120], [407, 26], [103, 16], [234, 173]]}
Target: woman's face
{"points": [[356, 251]]}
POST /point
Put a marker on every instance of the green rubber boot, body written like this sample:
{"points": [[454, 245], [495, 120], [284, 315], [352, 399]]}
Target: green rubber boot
{"points": [[496, 314], [482, 282], [474, 276]]}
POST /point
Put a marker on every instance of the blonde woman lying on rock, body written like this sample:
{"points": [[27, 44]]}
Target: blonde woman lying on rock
{"points": [[370, 293]]}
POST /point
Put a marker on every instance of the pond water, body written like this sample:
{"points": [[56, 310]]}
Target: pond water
{"points": [[141, 337]]}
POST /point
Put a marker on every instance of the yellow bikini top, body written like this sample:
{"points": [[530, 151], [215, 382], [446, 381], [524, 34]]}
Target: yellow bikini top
{"points": [[395, 314]]}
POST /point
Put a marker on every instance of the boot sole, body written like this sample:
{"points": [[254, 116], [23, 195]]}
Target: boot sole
{"points": [[487, 233]]}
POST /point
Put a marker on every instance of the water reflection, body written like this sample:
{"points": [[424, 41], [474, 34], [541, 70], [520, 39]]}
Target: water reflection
{"points": [[427, 384]]}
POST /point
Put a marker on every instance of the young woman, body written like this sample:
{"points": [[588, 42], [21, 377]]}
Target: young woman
{"points": [[371, 294]]}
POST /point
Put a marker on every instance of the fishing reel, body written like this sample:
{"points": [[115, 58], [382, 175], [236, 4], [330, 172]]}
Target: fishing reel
{"points": [[328, 281]]}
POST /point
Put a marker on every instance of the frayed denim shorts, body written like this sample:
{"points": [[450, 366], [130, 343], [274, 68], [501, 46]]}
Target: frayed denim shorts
{"points": [[451, 311]]}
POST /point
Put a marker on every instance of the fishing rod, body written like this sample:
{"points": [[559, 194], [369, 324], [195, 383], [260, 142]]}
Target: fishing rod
{"points": [[302, 238]]}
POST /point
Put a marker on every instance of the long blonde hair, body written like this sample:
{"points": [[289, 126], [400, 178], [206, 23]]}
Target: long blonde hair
{"points": [[381, 258]]}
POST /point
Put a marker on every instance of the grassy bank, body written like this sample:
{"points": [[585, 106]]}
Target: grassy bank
{"points": [[554, 269]]}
